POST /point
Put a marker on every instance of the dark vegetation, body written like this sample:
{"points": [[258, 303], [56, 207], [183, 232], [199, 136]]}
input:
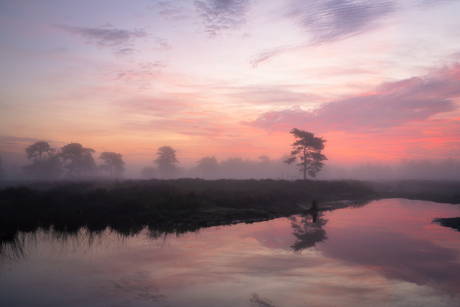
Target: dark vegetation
{"points": [[186, 203], [452, 222], [169, 205], [182, 205]]}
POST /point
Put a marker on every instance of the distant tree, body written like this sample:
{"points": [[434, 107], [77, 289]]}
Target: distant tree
{"points": [[166, 160], [46, 161], [113, 163], [77, 159], [208, 167], [308, 148], [148, 172], [237, 168], [37, 150], [264, 159]]}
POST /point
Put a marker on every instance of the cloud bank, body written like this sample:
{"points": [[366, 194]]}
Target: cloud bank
{"points": [[391, 105]]}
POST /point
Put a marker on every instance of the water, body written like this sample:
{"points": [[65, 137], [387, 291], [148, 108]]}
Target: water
{"points": [[387, 253]]}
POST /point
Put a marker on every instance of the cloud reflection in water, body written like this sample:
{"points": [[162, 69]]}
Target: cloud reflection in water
{"points": [[386, 253]]}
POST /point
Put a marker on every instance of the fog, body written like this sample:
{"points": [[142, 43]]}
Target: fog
{"points": [[238, 168], [448, 169], [12, 168]]}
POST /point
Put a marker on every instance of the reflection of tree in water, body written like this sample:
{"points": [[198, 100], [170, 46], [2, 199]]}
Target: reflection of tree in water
{"points": [[308, 229]]}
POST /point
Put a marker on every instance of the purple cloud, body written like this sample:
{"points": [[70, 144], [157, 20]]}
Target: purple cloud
{"points": [[326, 21], [393, 104], [120, 41], [337, 19], [106, 37], [221, 15]]}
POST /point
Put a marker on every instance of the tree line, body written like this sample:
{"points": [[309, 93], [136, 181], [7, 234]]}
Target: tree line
{"points": [[307, 149], [75, 161], [72, 160]]}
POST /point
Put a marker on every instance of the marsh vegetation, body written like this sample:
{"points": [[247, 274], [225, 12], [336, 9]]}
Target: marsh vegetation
{"points": [[187, 204]]}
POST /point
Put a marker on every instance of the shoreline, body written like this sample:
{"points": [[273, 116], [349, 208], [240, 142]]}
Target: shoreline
{"points": [[189, 204]]}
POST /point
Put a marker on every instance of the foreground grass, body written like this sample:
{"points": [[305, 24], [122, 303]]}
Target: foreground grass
{"points": [[185, 204]]}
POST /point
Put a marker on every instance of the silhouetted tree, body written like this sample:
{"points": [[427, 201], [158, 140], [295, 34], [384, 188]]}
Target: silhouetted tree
{"points": [[37, 150], [308, 148], [208, 166], [166, 160], [148, 172], [45, 161], [113, 163], [78, 160]]}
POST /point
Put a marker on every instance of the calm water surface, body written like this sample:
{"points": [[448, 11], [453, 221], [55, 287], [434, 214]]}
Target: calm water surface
{"points": [[387, 253]]}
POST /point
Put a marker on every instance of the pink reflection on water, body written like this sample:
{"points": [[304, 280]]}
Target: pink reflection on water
{"points": [[397, 237], [387, 253]]}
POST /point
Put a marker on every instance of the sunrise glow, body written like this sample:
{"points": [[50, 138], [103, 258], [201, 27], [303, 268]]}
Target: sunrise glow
{"points": [[379, 80]]}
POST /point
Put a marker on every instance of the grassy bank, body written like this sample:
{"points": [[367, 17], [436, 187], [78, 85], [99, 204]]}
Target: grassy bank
{"points": [[185, 204]]}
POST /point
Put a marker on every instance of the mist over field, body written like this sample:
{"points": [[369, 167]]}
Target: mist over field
{"points": [[262, 168]]}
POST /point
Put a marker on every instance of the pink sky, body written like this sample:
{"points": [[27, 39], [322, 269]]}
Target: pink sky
{"points": [[379, 80]]}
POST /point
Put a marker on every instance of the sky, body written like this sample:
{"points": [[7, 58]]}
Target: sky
{"points": [[379, 80]]}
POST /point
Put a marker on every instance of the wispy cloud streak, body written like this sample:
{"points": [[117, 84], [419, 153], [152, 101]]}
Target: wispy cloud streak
{"points": [[332, 20], [270, 53], [328, 21], [337, 19], [120, 41]]}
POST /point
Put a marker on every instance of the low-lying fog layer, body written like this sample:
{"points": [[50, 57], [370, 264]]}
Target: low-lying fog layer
{"points": [[263, 168]]}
